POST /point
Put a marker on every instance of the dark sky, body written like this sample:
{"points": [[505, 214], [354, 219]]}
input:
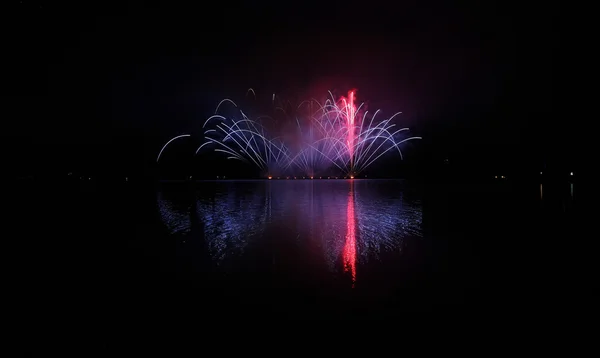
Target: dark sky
{"points": [[103, 86]]}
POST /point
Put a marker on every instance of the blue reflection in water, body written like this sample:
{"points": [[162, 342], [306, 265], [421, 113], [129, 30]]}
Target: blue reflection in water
{"points": [[232, 218], [340, 223], [173, 214]]}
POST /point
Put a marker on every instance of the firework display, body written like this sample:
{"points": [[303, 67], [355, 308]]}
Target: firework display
{"points": [[309, 139]]}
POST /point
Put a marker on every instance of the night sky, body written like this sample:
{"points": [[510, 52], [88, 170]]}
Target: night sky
{"points": [[101, 87]]}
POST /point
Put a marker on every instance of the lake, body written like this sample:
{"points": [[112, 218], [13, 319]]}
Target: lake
{"points": [[292, 248]]}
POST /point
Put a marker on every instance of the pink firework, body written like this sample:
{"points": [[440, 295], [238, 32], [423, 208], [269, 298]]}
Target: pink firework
{"points": [[350, 114]]}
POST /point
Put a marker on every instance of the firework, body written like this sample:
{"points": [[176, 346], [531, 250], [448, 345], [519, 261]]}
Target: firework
{"points": [[170, 140], [309, 139]]}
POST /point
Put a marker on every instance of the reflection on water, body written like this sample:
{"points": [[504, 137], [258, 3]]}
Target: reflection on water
{"points": [[231, 217], [173, 214], [339, 224], [350, 246], [557, 196]]}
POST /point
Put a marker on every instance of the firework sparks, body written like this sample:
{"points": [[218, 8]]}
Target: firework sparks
{"points": [[307, 139], [164, 146]]}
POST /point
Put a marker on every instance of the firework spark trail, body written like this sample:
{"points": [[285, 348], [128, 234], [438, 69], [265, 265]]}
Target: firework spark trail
{"points": [[223, 101], [327, 134], [350, 124], [164, 146], [372, 139], [395, 145]]}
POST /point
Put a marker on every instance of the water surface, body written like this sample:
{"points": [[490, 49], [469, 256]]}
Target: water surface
{"points": [[329, 228], [291, 248]]}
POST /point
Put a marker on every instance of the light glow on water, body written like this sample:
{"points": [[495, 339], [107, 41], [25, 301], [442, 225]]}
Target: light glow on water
{"points": [[337, 225], [350, 246]]}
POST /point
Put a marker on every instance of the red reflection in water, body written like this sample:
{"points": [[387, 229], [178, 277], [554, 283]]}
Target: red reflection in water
{"points": [[350, 246]]}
